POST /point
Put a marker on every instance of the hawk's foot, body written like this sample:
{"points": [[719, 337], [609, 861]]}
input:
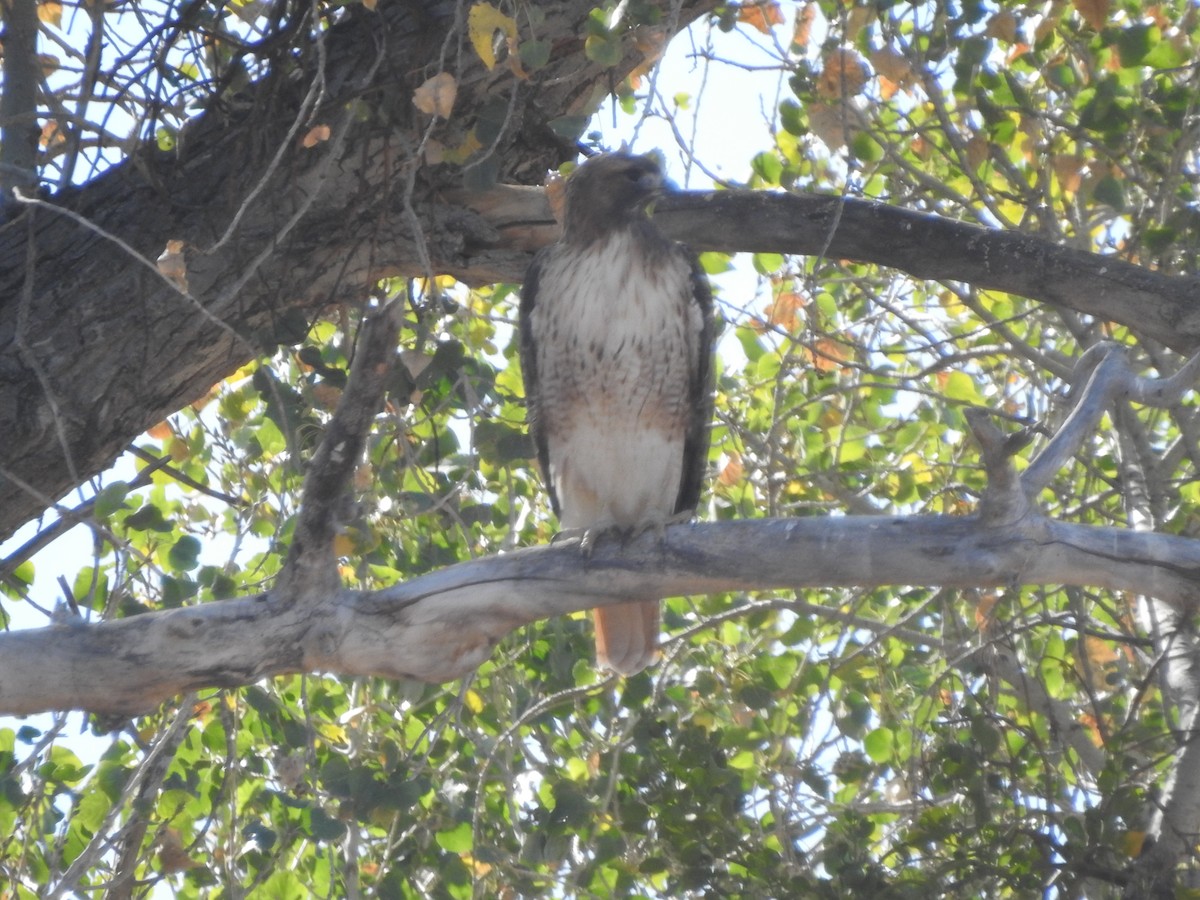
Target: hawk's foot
{"points": [[588, 536], [659, 526]]}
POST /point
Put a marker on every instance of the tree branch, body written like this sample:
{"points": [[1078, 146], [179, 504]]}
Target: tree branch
{"points": [[444, 624]]}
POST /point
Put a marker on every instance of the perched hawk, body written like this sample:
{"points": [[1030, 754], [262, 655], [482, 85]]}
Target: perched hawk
{"points": [[616, 350]]}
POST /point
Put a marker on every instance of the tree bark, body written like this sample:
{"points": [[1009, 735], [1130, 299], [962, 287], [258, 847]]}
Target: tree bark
{"points": [[96, 345], [443, 625]]}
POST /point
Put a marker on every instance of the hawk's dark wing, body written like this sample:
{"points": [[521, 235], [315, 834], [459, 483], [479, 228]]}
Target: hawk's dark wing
{"points": [[700, 394], [529, 372]]}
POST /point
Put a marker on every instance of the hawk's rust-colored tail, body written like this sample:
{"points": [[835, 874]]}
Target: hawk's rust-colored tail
{"points": [[627, 635]]}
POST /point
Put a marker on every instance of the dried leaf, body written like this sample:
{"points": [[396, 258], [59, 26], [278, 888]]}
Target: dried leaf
{"points": [[370, 4], [316, 135], [782, 312], [844, 74], [829, 124], [50, 12], [1094, 12], [161, 431], [802, 27], [1132, 842], [650, 43], [893, 65], [52, 135], [977, 151], [859, 18], [983, 611], [436, 96], [415, 361], [173, 266], [556, 195], [326, 395], [1002, 26], [761, 15], [483, 21], [828, 355], [171, 855], [732, 472]]}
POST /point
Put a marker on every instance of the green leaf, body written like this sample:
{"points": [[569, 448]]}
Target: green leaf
{"points": [[1110, 192], [878, 744], [185, 554], [604, 50], [534, 54], [455, 840]]}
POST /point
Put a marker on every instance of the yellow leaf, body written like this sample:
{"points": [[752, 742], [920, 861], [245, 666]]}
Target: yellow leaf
{"points": [[474, 701], [316, 135], [343, 545], [483, 21], [436, 96], [50, 12], [1132, 842], [332, 732]]}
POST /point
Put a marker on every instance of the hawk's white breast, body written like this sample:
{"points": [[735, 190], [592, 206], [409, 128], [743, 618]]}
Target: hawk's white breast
{"points": [[618, 334]]}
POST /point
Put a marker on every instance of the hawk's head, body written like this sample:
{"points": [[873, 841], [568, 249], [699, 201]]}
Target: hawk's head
{"points": [[609, 190]]}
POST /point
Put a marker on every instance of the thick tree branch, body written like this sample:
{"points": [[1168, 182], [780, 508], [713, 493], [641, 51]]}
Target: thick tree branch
{"points": [[274, 231], [18, 99], [442, 625], [925, 246]]}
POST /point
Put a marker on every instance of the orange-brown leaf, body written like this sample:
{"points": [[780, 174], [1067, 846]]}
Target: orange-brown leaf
{"points": [[435, 96], [761, 15], [732, 472], [782, 311], [1069, 170], [1094, 12], [161, 432], [171, 855], [802, 27], [50, 12], [315, 135], [172, 265], [828, 355], [556, 195], [983, 611], [844, 74], [1002, 26]]}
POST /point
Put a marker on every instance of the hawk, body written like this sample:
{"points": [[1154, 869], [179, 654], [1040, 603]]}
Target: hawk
{"points": [[616, 351]]}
